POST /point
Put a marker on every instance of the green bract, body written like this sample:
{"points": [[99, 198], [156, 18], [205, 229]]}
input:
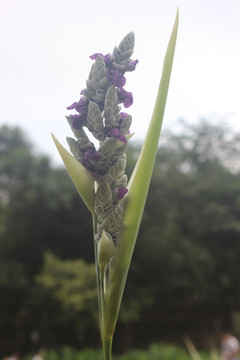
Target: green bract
{"points": [[80, 176], [115, 220]]}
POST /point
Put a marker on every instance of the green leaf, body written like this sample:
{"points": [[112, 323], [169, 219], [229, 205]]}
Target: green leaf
{"points": [[80, 176], [136, 197]]}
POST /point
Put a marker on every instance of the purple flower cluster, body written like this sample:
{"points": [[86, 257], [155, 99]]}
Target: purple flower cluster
{"points": [[104, 123], [115, 75], [79, 120]]}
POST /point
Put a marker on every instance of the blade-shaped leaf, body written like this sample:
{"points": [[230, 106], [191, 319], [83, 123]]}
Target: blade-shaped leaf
{"points": [[80, 176], [136, 197]]}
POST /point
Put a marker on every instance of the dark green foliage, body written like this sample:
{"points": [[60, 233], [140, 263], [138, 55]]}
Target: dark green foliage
{"points": [[185, 271], [186, 260], [72, 283], [155, 352], [193, 211], [35, 201]]}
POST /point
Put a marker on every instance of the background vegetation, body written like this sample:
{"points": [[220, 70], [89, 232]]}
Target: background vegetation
{"points": [[184, 276]]}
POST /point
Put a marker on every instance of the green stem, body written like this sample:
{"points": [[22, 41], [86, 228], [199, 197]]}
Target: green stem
{"points": [[101, 300], [107, 348], [106, 340], [97, 272]]}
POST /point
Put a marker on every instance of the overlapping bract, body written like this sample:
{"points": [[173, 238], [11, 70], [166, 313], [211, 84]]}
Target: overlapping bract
{"points": [[99, 111]]}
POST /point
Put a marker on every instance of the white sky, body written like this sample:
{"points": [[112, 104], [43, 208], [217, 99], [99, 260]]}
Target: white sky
{"points": [[44, 63]]}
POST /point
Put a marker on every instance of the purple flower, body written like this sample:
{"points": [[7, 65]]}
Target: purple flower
{"points": [[122, 191], [73, 106], [125, 97], [116, 78], [129, 64], [115, 132], [94, 56], [123, 116], [106, 58], [77, 120], [90, 156], [81, 106], [134, 63]]}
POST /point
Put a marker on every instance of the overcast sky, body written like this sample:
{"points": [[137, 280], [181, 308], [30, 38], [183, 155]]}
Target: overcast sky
{"points": [[45, 48]]}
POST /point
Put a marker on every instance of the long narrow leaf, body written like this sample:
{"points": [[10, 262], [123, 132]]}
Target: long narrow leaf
{"points": [[136, 197], [80, 176]]}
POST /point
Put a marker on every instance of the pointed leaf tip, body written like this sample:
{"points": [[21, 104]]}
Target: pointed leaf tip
{"points": [[80, 176]]}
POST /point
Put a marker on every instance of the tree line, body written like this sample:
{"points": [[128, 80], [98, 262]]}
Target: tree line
{"points": [[184, 276]]}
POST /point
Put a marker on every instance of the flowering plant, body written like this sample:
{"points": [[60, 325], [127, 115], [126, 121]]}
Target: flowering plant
{"points": [[99, 175]]}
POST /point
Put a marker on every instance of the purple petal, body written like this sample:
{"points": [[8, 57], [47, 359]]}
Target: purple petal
{"points": [[122, 191], [90, 156], [106, 57], [96, 156], [94, 56], [123, 116], [125, 97], [116, 78], [134, 63], [77, 120], [115, 132], [73, 106], [81, 106], [129, 64]]}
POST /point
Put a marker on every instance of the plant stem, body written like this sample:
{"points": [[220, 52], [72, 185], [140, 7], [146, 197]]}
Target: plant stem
{"points": [[98, 273], [107, 348], [107, 342]]}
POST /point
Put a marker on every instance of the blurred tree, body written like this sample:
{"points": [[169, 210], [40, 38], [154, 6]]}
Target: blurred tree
{"points": [[185, 270], [71, 282], [188, 248], [35, 200], [70, 285]]}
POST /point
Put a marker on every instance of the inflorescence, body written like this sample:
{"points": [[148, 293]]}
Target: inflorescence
{"points": [[99, 111]]}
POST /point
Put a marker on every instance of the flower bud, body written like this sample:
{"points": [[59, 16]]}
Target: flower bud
{"points": [[105, 250], [75, 148]]}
